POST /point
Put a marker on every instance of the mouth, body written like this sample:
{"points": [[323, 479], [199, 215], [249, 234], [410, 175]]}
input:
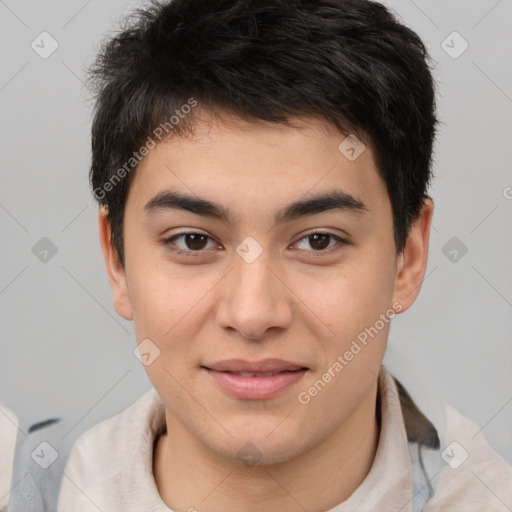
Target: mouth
{"points": [[255, 380], [258, 374]]}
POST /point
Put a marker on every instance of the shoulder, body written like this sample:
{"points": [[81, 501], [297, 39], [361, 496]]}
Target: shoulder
{"points": [[101, 455], [39, 458], [108, 440], [474, 475]]}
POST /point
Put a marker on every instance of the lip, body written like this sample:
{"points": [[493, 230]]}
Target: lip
{"points": [[276, 376], [265, 365]]}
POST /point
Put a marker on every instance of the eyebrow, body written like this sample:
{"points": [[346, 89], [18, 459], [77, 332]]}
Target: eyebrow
{"points": [[334, 200]]}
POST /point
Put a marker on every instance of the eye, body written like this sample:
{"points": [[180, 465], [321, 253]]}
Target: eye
{"points": [[190, 243], [319, 241]]}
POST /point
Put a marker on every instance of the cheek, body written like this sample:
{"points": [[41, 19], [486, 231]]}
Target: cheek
{"points": [[350, 297], [170, 308], [159, 294], [163, 306]]}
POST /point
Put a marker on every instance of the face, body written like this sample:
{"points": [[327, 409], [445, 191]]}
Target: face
{"points": [[299, 297]]}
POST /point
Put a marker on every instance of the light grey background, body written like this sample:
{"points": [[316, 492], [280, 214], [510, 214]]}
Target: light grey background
{"points": [[64, 350]]}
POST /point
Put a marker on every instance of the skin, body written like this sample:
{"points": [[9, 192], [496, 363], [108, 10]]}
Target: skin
{"points": [[293, 302]]}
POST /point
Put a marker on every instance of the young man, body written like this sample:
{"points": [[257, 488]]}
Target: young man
{"points": [[262, 170]]}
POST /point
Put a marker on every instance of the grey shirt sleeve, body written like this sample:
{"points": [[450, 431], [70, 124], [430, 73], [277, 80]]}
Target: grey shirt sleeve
{"points": [[39, 463]]}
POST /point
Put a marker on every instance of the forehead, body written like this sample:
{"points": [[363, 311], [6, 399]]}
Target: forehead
{"points": [[256, 164]]}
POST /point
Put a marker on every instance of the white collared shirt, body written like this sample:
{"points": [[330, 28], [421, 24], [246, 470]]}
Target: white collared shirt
{"points": [[110, 467]]}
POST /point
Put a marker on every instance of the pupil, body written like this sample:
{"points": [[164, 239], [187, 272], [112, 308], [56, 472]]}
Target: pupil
{"points": [[192, 241], [323, 237]]}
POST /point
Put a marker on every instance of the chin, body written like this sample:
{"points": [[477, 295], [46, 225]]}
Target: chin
{"points": [[260, 448]]}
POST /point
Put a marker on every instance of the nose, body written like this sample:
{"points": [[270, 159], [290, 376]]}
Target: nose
{"points": [[254, 299]]}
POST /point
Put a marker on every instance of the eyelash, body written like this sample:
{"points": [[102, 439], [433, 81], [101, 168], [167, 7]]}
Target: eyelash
{"points": [[189, 253]]}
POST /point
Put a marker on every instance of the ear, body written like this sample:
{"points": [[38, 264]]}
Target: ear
{"points": [[115, 272], [412, 262]]}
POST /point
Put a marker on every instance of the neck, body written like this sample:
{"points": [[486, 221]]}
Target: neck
{"points": [[189, 477]]}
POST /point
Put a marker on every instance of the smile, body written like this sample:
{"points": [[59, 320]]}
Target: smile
{"points": [[247, 385]]}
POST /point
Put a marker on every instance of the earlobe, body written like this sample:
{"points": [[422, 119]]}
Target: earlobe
{"points": [[412, 262], [115, 272]]}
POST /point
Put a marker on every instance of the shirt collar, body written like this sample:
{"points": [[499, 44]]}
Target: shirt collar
{"points": [[388, 485]]}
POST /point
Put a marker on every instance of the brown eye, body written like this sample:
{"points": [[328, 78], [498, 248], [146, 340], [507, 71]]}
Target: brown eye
{"points": [[319, 242], [195, 241], [190, 243]]}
